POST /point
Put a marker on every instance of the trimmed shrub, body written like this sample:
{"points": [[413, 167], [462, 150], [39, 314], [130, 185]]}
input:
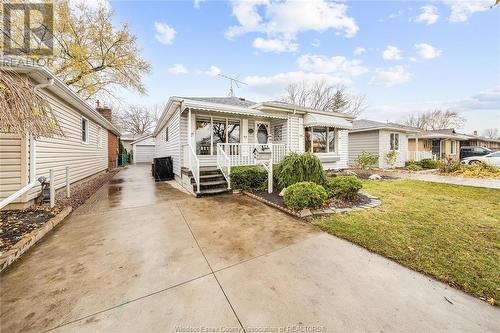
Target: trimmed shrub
{"points": [[248, 177], [367, 159], [295, 168], [343, 187], [428, 163], [413, 166], [305, 195], [391, 158]]}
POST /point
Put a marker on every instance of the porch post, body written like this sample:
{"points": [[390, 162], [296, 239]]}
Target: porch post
{"points": [[417, 149]]}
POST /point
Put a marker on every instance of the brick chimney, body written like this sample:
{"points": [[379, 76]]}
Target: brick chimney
{"points": [[475, 132], [104, 110]]}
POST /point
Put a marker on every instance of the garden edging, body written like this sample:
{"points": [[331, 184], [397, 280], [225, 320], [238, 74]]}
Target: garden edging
{"points": [[374, 202], [28, 240]]}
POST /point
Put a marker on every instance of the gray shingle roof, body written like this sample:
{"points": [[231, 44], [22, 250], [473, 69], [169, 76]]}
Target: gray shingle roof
{"points": [[236, 101], [367, 124]]}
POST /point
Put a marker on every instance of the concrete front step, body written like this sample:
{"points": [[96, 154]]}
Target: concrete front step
{"points": [[214, 191]]}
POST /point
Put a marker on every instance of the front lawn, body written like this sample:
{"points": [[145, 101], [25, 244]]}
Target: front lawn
{"points": [[449, 232]]}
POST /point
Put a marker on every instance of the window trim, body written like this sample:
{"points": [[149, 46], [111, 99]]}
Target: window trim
{"points": [[166, 133], [335, 139], [87, 130], [391, 136], [99, 136], [453, 147]]}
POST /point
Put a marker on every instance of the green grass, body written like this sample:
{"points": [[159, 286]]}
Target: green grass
{"points": [[449, 232]]}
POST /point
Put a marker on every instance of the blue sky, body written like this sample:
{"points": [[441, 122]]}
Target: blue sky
{"points": [[412, 56]]}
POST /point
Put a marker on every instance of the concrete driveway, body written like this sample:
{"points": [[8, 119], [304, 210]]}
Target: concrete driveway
{"points": [[141, 256]]}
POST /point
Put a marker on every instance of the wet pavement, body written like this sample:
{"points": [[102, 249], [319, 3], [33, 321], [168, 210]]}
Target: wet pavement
{"points": [[145, 256]]}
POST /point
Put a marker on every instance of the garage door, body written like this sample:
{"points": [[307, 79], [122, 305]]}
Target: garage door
{"points": [[144, 154]]}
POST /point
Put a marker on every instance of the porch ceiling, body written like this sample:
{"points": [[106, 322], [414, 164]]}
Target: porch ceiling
{"points": [[229, 110], [312, 119]]}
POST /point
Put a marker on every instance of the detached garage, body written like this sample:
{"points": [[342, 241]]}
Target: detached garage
{"points": [[143, 150]]}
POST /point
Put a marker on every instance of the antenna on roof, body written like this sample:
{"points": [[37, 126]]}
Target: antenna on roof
{"points": [[232, 80]]}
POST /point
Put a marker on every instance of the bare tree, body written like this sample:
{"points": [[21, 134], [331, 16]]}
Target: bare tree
{"points": [[435, 120], [138, 120], [321, 95], [492, 133]]}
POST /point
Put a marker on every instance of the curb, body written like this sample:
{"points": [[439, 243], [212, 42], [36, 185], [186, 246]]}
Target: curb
{"points": [[28, 240], [374, 202]]}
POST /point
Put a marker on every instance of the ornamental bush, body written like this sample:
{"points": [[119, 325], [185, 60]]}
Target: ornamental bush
{"points": [[248, 177], [305, 195], [295, 168], [413, 166], [343, 187], [429, 163], [367, 159]]}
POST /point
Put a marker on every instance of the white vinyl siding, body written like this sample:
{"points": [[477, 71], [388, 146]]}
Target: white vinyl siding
{"points": [[83, 159], [296, 134], [385, 147], [172, 147]]}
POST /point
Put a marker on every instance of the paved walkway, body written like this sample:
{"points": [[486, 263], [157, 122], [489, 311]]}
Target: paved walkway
{"points": [[475, 182], [141, 256]]}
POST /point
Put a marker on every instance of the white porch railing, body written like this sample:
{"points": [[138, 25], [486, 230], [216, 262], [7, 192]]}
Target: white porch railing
{"points": [[224, 164], [242, 153], [419, 155], [193, 163]]}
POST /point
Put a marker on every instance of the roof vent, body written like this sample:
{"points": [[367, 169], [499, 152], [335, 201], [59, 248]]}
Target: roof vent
{"points": [[241, 98]]}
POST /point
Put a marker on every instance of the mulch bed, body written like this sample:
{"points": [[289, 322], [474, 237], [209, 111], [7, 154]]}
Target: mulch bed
{"points": [[14, 224], [274, 197]]}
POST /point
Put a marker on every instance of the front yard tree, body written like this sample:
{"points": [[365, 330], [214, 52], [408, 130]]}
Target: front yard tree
{"points": [[91, 54], [321, 95], [435, 120]]}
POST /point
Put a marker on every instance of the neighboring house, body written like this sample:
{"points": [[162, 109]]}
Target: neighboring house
{"points": [[85, 148], [441, 143], [223, 132], [143, 149], [475, 140], [380, 138]]}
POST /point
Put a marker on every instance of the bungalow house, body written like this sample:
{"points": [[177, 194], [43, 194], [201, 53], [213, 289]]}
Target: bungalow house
{"points": [[88, 145], [441, 144], [381, 138], [207, 136], [475, 140], [143, 149]]}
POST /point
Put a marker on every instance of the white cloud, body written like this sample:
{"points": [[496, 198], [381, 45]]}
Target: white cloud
{"points": [[316, 43], [275, 45], [391, 76], [486, 100], [338, 65], [288, 18], [426, 51], [164, 33], [429, 15], [391, 53], [196, 3], [359, 51], [213, 71], [275, 84], [178, 69], [461, 10]]}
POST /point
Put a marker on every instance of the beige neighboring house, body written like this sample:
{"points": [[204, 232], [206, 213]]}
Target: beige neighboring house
{"points": [[441, 144], [476, 140], [83, 148]]}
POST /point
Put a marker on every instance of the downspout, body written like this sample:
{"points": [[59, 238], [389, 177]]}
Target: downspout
{"points": [[32, 163]]}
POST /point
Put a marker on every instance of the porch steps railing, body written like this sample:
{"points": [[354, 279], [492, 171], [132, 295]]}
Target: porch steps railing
{"points": [[224, 163], [193, 163]]}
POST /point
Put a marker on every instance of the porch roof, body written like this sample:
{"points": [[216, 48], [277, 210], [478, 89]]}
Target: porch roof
{"points": [[230, 109], [313, 119]]}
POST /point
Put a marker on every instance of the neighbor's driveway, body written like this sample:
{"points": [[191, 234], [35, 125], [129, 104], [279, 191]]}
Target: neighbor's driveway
{"points": [[145, 257]]}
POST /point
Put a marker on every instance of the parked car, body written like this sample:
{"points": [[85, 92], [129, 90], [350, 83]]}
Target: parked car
{"points": [[492, 159], [468, 151]]}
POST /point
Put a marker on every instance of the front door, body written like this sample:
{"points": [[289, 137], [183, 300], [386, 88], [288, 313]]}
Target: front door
{"points": [[436, 148], [262, 132]]}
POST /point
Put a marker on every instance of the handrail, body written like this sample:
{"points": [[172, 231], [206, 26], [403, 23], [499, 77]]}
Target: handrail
{"points": [[224, 164], [17, 194], [193, 163]]}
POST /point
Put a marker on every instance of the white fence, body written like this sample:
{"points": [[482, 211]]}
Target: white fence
{"points": [[419, 155]]}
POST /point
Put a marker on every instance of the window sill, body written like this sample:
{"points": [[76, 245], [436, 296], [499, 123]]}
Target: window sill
{"points": [[328, 157]]}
